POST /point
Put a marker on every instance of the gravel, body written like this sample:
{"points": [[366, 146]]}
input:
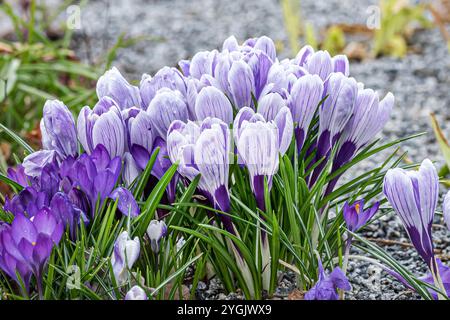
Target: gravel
{"points": [[176, 29]]}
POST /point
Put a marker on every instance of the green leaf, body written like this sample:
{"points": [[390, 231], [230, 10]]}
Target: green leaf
{"points": [[17, 139], [443, 143], [152, 202]]}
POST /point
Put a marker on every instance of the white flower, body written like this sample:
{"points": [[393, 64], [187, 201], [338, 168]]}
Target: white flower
{"points": [[126, 252], [155, 231]]}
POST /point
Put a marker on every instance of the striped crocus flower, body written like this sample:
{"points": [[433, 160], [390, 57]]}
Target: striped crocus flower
{"points": [[369, 118], [340, 93], [414, 196], [204, 150], [260, 143], [306, 93]]}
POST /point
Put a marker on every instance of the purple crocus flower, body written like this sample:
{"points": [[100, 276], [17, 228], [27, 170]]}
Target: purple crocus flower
{"points": [[102, 125], [96, 174], [18, 175], [112, 84], [414, 196], [327, 285], [334, 113], [259, 145], [66, 211], [270, 105], [140, 130], [356, 217], [166, 106], [304, 99], [166, 77], [26, 245], [204, 150], [320, 63], [58, 129], [446, 209], [125, 202], [211, 102], [242, 84], [369, 117]]}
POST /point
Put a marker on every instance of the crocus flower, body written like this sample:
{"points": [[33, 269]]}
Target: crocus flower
{"points": [[270, 105], [136, 293], [26, 245], [203, 150], [166, 77], [414, 196], [34, 162], [58, 129], [126, 252], [125, 202], [304, 99], [320, 63], [102, 125], [369, 117], [259, 145], [334, 113], [336, 110], [356, 217], [211, 102], [112, 84], [96, 174], [242, 84], [156, 230], [166, 106], [327, 285], [446, 209]]}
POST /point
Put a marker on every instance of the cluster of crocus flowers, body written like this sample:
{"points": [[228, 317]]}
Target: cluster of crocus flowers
{"points": [[26, 245], [238, 102]]}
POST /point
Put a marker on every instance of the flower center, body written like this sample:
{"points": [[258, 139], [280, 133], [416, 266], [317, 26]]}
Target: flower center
{"points": [[358, 208], [33, 243]]}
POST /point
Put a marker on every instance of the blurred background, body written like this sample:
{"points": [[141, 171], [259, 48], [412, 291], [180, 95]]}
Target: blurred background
{"points": [[57, 49]]}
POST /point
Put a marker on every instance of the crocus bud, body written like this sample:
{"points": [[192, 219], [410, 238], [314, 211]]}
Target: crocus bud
{"points": [[126, 202], [446, 208], [336, 110], [112, 84], [166, 106], [266, 45], [140, 131], [136, 293], [155, 231], [242, 84], [103, 126], [414, 196], [303, 102], [126, 252], [211, 102], [259, 145], [320, 63], [58, 129], [167, 77], [270, 104]]}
